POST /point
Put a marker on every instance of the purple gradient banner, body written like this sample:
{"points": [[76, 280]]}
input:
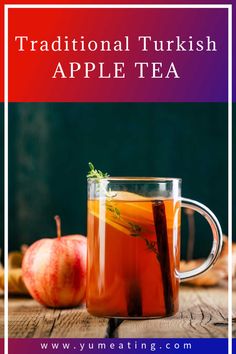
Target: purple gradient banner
{"points": [[125, 346], [163, 55]]}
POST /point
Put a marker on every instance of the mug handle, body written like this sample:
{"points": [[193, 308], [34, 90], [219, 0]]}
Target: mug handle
{"points": [[216, 233]]}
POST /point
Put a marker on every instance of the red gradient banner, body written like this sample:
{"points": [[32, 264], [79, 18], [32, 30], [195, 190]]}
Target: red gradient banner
{"points": [[199, 75]]}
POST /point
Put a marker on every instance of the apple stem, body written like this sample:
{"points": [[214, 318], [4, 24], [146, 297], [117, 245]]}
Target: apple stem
{"points": [[58, 224]]}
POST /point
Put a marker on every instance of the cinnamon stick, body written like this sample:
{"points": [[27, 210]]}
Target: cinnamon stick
{"points": [[134, 306], [159, 217]]}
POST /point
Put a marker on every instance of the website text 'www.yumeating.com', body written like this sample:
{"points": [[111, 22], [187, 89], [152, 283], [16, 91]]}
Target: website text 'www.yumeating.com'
{"points": [[111, 346]]}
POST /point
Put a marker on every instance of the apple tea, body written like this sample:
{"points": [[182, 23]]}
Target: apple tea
{"points": [[133, 244]]}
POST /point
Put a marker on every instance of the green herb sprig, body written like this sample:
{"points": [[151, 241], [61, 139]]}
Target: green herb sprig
{"points": [[97, 174], [135, 229]]}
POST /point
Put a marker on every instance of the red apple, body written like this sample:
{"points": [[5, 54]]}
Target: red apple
{"points": [[54, 270]]}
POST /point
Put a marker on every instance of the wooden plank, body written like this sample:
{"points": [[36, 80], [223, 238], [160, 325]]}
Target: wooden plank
{"points": [[1, 316], [79, 324], [28, 319], [25, 315], [234, 310], [203, 314]]}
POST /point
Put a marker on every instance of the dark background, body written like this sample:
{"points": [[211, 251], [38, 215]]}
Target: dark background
{"points": [[50, 145]]}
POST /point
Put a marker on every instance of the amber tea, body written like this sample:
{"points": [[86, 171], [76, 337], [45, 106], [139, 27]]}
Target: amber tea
{"points": [[134, 248]]}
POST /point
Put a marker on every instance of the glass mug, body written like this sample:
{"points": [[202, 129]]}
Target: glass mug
{"points": [[134, 246]]}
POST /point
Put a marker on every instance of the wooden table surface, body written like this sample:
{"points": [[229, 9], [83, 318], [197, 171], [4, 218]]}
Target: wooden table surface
{"points": [[203, 313], [1, 315]]}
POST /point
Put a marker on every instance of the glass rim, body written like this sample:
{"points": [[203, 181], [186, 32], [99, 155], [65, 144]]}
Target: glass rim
{"points": [[141, 179]]}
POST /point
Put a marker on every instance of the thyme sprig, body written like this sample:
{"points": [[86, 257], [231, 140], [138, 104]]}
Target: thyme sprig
{"points": [[135, 229], [114, 210], [97, 174]]}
